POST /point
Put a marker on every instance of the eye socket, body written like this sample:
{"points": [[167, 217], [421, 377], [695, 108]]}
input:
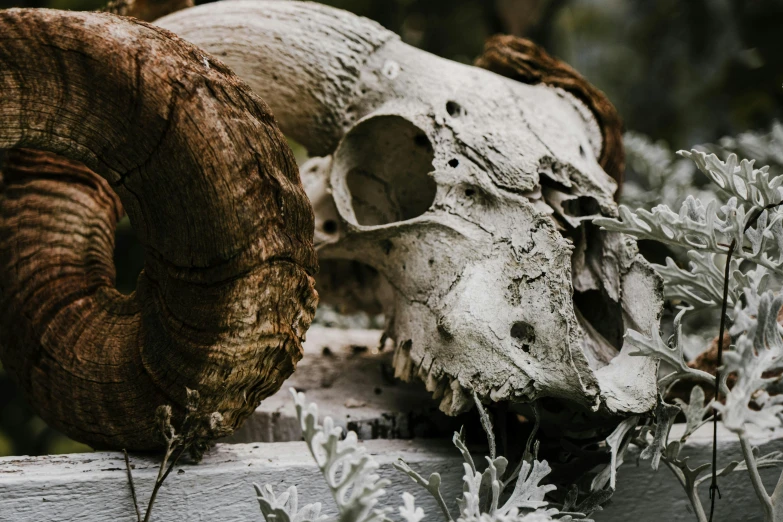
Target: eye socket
{"points": [[387, 162]]}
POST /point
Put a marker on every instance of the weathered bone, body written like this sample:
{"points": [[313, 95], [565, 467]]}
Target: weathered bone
{"points": [[470, 194]]}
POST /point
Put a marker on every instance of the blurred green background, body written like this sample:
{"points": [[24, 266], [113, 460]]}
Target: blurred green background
{"points": [[682, 71]]}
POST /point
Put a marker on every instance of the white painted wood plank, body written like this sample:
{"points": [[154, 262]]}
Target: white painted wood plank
{"points": [[92, 487]]}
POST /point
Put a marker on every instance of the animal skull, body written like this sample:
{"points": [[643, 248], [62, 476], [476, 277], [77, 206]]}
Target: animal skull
{"points": [[468, 195]]}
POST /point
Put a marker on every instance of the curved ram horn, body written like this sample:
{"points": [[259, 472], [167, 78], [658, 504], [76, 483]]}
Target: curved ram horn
{"points": [[212, 190]]}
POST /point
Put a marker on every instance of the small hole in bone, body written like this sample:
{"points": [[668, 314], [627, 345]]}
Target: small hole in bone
{"points": [[387, 162], [469, 192], [454, 109], [525, 333], [444, 332], [330, 226], [581, 206], [581, 151], [453, 163]]}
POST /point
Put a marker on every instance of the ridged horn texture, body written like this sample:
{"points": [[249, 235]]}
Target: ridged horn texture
{"points": [[213, 192], [522, 60]]}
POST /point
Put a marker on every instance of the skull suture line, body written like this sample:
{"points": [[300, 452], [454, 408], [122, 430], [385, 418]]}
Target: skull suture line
{"points": [[470, 194]]}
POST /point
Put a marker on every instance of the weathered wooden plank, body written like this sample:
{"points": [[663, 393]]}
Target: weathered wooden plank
{"points": [[92, 487], [352, 381], [341, 372]]}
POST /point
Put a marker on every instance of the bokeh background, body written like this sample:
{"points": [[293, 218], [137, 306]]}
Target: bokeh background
{"points": [[680, 72]]}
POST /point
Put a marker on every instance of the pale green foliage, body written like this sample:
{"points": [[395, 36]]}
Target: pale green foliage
{"points": [[707, 231], [701, 285], [749, 225], [481, 495], [695, 411], [672, 352], [356, 488], [766, 148], [752, 187], [661, 176], [408, 510], [347, 468], [284, 508], [758, 349], [617, 442]]}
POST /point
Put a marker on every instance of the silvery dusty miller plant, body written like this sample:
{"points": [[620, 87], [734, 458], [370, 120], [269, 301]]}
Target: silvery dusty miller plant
{"points": [[356, 488], [660, 176], [738, 242]]}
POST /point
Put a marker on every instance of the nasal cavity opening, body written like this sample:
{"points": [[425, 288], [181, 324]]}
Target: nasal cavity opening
{"points": [[603, 314], [581, 206], [388, 161], [128, 257]]}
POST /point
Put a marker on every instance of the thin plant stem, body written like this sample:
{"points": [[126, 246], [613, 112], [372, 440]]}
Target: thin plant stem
{"points": [[726, 275], [132, 487], [162, 476], [692, 492], [693, 496], [528, 444], [755, 478], [775, 498], [486, 423], [442, 504], [714, 489]]}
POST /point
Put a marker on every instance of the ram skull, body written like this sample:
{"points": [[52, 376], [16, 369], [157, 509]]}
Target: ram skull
{"points": [[458, 199]]}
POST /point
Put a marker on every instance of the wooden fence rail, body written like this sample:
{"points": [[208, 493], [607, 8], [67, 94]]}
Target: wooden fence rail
{"points": [[343, 372]]}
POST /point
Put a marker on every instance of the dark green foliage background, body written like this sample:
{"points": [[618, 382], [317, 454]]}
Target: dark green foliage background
{"points": [[685, 71]]}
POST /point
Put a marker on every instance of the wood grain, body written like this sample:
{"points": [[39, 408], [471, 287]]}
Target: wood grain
{"points": [[93, 486]]}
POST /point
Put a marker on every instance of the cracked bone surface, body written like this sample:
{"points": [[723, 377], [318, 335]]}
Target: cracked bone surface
{"points": [[457, 199]]}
